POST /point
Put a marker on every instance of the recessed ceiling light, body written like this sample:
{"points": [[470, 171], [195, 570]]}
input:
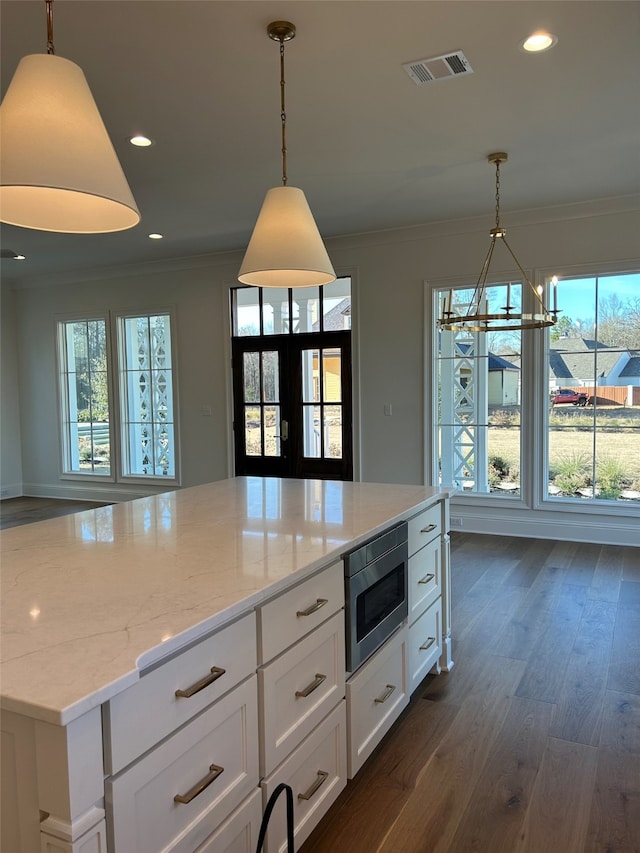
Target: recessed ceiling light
{"points": [[140, 141], [19, 258], [156, 236], [538, 41]]}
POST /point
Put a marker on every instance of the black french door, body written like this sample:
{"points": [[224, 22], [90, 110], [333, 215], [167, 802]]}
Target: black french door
{"points": [[292, 405]]}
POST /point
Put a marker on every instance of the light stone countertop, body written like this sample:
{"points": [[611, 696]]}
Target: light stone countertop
{"points": [[90, 599]]}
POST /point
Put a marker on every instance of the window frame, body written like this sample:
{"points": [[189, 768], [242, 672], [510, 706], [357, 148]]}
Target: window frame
{"points": [[486, 499], [533, 497], [112, 319], [541, 499], [65, 452]]}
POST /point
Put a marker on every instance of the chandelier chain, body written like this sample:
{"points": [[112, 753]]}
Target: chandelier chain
{"points": [[497, 193], [50, 47]]}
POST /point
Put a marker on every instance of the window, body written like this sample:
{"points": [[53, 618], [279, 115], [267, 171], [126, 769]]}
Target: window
{"points": [[593, 358], [478, 400], [549, 419], [84, 391], [142, 442]]}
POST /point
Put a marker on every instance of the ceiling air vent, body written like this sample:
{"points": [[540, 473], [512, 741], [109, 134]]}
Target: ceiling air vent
{"points": [[438, 68]]}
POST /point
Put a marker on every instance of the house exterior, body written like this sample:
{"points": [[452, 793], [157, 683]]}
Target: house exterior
{"points": [[585, 362]]}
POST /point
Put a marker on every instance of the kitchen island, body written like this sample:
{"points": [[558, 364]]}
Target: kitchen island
{"points": [[98, 604]]}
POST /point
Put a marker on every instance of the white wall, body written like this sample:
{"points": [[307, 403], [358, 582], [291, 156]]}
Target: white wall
{"points": [[388, 269], [10, 442]]}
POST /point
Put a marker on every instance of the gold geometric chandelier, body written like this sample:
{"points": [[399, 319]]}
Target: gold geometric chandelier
{"points": [[478, 315]]}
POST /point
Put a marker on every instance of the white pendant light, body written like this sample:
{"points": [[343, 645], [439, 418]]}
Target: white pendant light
{"points": [[286, 249], [58, 169]]}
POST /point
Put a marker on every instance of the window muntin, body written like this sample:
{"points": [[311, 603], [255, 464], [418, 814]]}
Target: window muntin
{"points": [[147, 418], [478, 402], [84, 392], [593, 450]]}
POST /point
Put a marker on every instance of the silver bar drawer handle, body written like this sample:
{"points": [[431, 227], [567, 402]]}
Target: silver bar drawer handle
{"points": [[216, 672], [198, 788], [427, 578], [429, 528], [320, 602], [313, 686], [386, 694], [322, 775], [428, 644]]}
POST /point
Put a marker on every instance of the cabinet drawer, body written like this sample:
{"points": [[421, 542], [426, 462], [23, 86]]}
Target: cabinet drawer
{"points": [[239, 833], [148, 711], [424, 527], [425, 644], [316, 771], [314, 666], [286, 619], [376, 695], [143, 812], [425, 571]]}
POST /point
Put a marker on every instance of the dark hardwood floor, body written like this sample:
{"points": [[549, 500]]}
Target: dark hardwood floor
{"points": [[15, 511], [532, 741]]}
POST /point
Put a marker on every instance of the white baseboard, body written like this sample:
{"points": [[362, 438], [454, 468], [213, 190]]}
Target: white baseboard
{"points": [[107, 493], [11, 491], [598, 530]]}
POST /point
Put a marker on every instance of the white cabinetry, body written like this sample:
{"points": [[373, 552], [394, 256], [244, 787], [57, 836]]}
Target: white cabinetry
{"points": [[184, 743], [429, 630], [301, 697], [376, 695]]}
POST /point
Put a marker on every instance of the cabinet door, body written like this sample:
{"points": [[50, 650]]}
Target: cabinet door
{"points": [[239, 833], [317, 772], [376, 695], [298, 689], [174, 797], [425, 644], [170, 695], [425, 571]]}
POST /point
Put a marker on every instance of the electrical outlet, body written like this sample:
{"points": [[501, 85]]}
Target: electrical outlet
{"points": [[456, 521]]}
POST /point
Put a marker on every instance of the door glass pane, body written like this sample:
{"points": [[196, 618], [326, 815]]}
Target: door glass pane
{"points": [[275, 310], [270, 383], [271, 416], [331, 381], [311, 432], [310, 376], [333, 432], [252, 431], [246, 313], [306, 309], [251, 377], [336, 305]]}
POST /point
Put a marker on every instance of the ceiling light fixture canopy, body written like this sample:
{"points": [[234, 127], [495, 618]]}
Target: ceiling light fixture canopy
{"points": [[58, 169], [477, 315], [286, 249]]}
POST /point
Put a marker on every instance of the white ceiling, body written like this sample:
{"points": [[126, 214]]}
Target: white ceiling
{"points": [[370, 148]]}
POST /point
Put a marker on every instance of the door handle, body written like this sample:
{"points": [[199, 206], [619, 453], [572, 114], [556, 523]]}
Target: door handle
{"points": [[284, 430]]}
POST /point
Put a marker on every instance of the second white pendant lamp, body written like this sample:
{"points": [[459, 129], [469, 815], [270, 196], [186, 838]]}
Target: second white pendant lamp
{"points": [[286, 249]]}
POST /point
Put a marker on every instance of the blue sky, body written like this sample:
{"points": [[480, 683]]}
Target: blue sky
{"points": [[576, 297]]}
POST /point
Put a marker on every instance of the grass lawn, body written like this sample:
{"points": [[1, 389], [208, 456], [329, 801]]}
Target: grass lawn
{"points": [[571, 441]]}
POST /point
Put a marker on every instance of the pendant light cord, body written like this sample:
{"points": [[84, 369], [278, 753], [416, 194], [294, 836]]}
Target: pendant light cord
{"points": [[283, 115], [50, 47]]}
